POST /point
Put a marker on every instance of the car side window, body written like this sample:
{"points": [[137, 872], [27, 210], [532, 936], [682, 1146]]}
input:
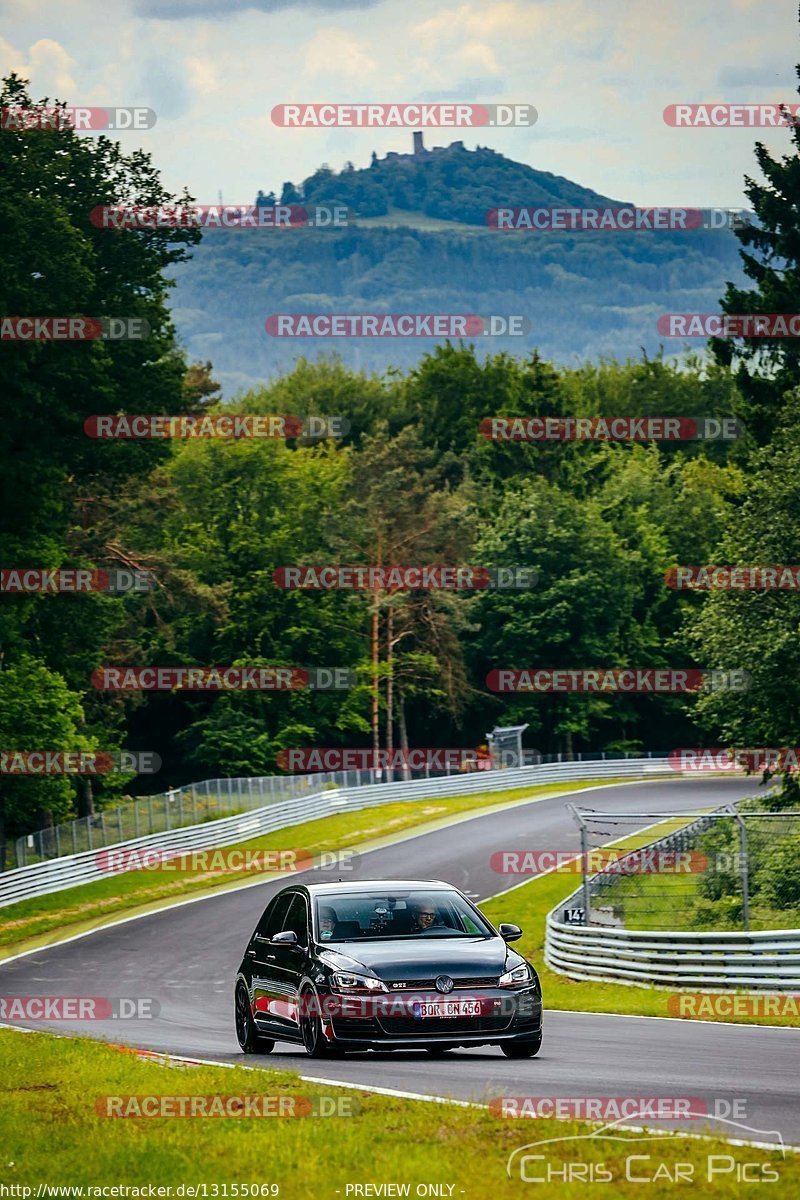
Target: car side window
{"points": [[272, 920], [297, 919]]}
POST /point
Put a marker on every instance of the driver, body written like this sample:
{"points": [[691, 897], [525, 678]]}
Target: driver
{"points": [[327, 923], [424, 916]]}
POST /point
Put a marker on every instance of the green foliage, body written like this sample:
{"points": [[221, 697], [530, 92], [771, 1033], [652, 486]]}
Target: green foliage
{"points": [[767, 368], [38, 712], [758, 631], [450, 182]]}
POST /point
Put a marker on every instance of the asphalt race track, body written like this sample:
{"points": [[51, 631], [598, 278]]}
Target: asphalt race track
{"points": [[186, 958]]}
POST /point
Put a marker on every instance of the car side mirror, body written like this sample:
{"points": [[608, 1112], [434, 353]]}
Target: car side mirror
{"points": [[287, 938], [510, 933]]}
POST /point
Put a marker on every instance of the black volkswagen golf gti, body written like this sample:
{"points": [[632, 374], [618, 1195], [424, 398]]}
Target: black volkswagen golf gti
{"points": [[384, 965]]}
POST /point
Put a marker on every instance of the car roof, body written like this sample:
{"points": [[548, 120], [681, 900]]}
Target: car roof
{"points": [[371, 885]]}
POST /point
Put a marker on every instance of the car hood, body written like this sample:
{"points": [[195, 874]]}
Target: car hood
{"points": [[423, 958]]}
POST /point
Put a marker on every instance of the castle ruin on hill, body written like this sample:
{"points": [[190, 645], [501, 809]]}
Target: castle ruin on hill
{"points": [[419, 150]]}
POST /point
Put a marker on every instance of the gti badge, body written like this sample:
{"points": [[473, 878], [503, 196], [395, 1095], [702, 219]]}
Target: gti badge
{"points": [[444, 984]]}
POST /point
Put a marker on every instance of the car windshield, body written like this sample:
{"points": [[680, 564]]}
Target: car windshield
{"points": [[362, 916]]}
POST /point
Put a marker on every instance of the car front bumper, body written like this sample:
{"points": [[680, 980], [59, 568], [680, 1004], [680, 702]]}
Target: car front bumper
{"points": [[390, 1022]]}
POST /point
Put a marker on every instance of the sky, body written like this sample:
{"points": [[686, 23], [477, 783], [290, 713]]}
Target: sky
{"points": [[599, 73]]}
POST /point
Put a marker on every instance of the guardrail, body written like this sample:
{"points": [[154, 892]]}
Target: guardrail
{"points": [[765, 959], [209, 801], [57, 874], [769, 959]]}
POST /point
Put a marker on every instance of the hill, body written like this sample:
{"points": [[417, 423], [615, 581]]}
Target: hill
{"points": [[450, 183], [417, 241]]}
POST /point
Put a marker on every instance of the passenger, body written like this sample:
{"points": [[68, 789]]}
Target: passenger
{"points": [[327, 923]]}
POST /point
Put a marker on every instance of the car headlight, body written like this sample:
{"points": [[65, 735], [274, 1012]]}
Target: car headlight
{"points": [[351, 982], [517, 977]]}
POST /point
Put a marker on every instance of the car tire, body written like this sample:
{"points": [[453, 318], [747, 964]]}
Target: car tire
{"points": [[246, 1033], [314, 1041], [524, 1048]]}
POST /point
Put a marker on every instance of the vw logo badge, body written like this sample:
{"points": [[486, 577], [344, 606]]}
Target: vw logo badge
{"points": [[444, 984]]}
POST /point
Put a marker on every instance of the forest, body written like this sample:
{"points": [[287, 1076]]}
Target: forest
{"points": [[411, 480]]}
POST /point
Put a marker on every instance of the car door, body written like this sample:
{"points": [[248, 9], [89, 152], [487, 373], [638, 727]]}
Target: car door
{"points": [[266, 994], [290, 963]]}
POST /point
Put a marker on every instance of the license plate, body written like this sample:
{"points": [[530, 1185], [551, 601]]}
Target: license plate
{"points": [[448, 1008]]}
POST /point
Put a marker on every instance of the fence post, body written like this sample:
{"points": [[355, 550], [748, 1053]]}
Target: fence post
{"points": [[119, 823], [745, 886], [194, 805], [136, 817], [89, 838], [584, 863], [103, 827], [58, 843], [180, 806], [150, 811], [74, 838]]}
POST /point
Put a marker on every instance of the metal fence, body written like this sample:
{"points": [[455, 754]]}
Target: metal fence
{"points": [[206, 801], [176, 809], [735, 868], [734, 856], [67, 871]]}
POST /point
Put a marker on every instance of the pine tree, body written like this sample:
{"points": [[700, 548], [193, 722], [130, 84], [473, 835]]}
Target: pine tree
{"points": [[767, 368]]}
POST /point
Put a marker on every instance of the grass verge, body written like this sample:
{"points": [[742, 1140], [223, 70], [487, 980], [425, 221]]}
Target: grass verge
{"points": [[52, 1133], [27, 924], [528, 907]]}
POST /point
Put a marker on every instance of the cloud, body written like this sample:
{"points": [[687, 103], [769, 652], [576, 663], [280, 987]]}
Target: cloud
{"points": [[332, 52], [476, 89], [47, 64], [767, 75], [164, 85], [175, 10]]}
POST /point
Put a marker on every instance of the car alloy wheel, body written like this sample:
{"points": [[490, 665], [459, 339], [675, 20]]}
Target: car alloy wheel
{"points": [[246, 1032], [314, 1040]]}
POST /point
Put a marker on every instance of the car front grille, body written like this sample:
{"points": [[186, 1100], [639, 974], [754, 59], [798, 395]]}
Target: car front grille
{"points": [[429, 985]]}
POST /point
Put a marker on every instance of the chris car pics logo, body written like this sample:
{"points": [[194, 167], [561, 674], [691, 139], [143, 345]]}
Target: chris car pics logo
{"points": [[602, 1156]]}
